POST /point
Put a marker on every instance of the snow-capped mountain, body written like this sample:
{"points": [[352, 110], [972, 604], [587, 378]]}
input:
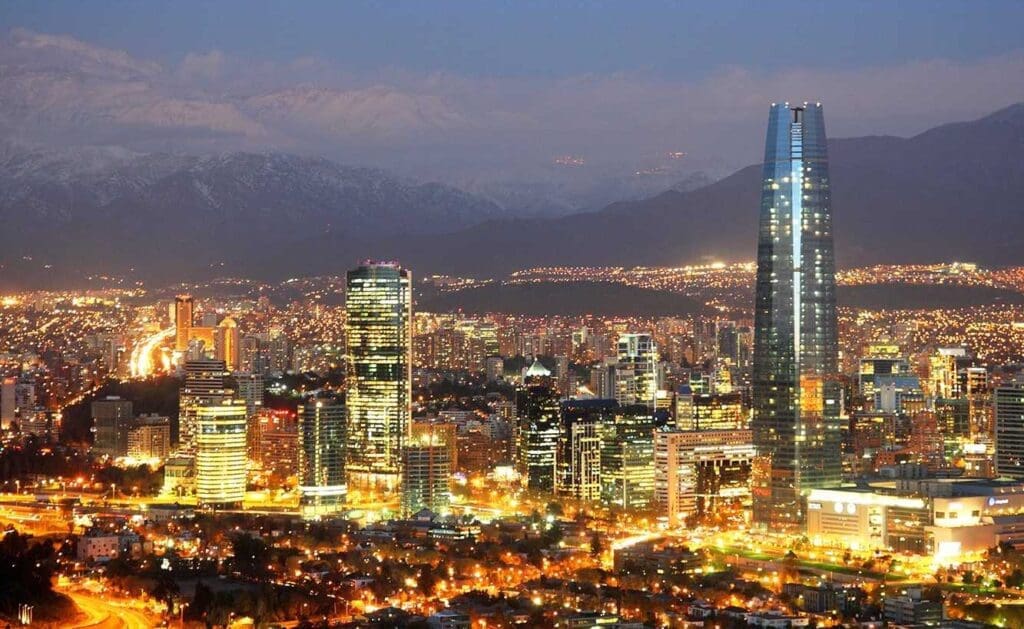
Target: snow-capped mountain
{"points": [[99, 208]]}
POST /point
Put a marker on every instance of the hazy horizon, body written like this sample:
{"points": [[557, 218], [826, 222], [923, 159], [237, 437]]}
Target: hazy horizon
{"points": [[496, 93]]}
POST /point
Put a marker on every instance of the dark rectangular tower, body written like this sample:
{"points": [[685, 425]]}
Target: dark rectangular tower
{"points": [[796, 395]]}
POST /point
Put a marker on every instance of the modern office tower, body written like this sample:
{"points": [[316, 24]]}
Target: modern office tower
{"points": [[893, 393], [480, 450], [443, 431], [718, 411], [8, 406], [636, 374], [250, 357], [695, 471], [494, 367], [204, 386], [183, 321], [732, 343], [41, 422], [942, 372], [278, 351], [880, 359], [537, 429], [795, 397], [870, 434], [926, 442], [112, 418], [973, 381], [700, 383], [249, 390], [378, 332], [953, 423], [150, 437], [322, 486], [24, 395], [602, 380], [627, 457], [1009, 411], [220, 453], [226, 343], [267, 421], [426, 475], [682, 410], [279, 451], [578, 458]]}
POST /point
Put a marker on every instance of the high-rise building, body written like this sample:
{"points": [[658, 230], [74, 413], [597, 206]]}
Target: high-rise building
{"points": [[8, 406], [183, 321], [696, 470], [150, 437], [220, 452], [322, 486], [279, 450], [718, 411], [250, 391], [627, 457], [537, 429], [942, 371], [682, 409], [226, 343], [636, 375], [494, 368], [112, 419], [204, 386], [426, 474], [579, 447], [378, 332], [880, 359], [795, 396], [1009, 410]]}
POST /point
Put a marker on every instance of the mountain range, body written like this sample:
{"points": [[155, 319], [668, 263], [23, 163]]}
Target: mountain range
{"points": [[953, 192]]}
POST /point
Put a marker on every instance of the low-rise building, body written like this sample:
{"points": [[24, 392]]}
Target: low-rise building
{"points": [[911, 608], [99, 547], [941, 516]]}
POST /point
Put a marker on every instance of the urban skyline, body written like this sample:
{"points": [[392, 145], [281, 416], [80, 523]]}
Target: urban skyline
{"points": [[472, 315]]}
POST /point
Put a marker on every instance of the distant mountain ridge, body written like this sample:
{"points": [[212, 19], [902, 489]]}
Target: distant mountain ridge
{"points": [[953, 192], [106, 208]]}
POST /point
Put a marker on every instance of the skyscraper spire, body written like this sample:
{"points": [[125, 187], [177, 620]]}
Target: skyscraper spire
{"points": [[796, 398]]}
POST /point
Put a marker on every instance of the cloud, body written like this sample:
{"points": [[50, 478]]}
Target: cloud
{"points": [[207, 66], [59, 89]]}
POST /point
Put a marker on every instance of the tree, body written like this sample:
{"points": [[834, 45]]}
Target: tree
{"points": [[202, 600], [596, 546], [166, 589], [251, 555]]}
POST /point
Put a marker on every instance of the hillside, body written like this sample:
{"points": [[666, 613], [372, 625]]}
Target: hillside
{"points": [[953, 192], [557, 298]]}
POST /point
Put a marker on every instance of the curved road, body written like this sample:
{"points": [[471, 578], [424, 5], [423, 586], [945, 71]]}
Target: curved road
{"points": [[102, 614], [141, 363]]}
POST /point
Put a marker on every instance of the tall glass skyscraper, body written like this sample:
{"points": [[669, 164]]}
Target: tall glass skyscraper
{"points": [[322, 486], [796, 396], [220, 452], [378, 332]]}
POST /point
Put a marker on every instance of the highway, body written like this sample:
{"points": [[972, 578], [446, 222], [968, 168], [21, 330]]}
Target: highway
{"points": [[104, 614], [141, 363]]}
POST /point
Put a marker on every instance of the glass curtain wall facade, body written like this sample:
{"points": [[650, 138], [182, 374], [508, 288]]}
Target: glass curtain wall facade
{"points": [[796, 397], [322, 486], [537, 432], [378, 305], [221, 453]]}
